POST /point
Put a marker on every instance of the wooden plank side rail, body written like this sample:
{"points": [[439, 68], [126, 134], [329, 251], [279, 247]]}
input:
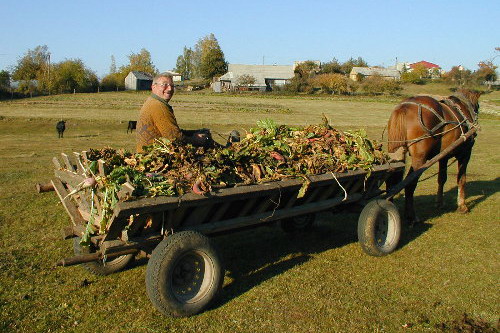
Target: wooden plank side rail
{"points": [[250, 197], [70, 207], [267, 217]]}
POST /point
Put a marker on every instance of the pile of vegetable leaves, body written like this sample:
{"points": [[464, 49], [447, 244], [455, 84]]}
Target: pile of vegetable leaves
{"points": [[269, 152]]}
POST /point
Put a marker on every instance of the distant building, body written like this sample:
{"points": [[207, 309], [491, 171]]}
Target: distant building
{"points": [[136, 80], [386, 73], [266, 77], [426, 64], [176, 76], [434, 70]]}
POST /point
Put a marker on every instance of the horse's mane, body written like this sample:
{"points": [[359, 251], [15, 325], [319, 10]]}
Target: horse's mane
{"points": [[471, 95]]}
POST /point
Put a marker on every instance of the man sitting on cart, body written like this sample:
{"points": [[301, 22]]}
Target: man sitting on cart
{"points": [[157, 119]]}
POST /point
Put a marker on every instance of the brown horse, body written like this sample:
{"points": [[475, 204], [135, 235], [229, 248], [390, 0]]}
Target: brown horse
{"points": [[424, 126]]}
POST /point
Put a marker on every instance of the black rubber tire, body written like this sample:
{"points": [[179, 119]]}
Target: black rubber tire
{"points": [[111, 265], [298, 224], [181, 261], [379, 228]]}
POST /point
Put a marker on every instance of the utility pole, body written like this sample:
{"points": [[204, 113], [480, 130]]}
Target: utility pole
{"points": [[48, 69]]}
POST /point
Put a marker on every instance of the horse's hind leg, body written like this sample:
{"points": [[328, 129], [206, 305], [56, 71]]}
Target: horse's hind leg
{"points": [[442, 176], [463, 160]]}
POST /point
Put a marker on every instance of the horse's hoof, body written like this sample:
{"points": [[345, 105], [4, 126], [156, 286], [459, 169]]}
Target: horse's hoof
{"points": [[462, 209], [439, 205]]}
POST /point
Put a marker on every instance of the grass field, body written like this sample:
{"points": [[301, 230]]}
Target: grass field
{"points": [[444, 275]]}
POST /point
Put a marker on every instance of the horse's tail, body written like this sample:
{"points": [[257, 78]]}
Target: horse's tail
{"points": [[396, 130]]}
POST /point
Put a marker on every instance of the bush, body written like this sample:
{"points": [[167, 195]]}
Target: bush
{"points": [[334, 84], [412, 77], [113, 82], [376, 85]]}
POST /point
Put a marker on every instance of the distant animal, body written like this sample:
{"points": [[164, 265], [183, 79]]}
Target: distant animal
{"points": [[132, 124], [424, 126], [60, 127]]}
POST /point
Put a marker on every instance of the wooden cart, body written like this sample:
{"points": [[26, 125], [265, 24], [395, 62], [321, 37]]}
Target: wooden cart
{"points": [[184, 272]]}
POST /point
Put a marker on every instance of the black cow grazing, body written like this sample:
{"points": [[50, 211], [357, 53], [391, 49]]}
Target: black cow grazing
{"points": [[60, 127], [132, 124]]}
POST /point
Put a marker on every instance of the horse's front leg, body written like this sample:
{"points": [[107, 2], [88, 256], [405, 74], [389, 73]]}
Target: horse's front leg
{"points": [[463, 160], [409, 216], [442, 176]]}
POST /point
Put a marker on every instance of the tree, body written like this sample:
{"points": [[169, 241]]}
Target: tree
{"points": [[334, 83], [4, 80], [32, 70], [112, 67], [307, 69], [211, 58], [140, 62], [245, 80], [185, 64], [115, 80], [112, 82], [486, 72], [459, 76], [4, 83], [333, 66], [73, 76], [349, 64], [304, 73], [376, 84], [412, 77], [421, 71]]}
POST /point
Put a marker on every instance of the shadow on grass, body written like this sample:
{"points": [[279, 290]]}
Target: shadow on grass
{"points": [[477, 192], [254, 256]]}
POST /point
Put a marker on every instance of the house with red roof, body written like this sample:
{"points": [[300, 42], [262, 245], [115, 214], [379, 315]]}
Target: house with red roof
{"points": [[426, 64], [434, 70]]}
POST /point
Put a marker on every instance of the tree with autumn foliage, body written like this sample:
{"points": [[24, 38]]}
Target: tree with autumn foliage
{"points": [[486, 72], [71, 75], [32, 71], [334, 83]]}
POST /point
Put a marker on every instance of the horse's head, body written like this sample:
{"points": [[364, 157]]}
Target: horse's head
{"points": [[471, 99]]}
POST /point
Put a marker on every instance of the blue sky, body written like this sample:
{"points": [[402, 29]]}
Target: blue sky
{"points": [[447, 32]]}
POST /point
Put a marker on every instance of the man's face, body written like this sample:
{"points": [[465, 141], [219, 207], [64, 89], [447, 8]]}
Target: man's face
{"points": [[163, 88]]}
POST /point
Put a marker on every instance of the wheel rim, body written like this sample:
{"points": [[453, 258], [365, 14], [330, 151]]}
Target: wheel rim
{"points": [[384, 231], [191, 277]]}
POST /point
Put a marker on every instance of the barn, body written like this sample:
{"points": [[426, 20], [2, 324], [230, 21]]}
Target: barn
{"points": [[386, 73], [136, 80], [265, 77]]}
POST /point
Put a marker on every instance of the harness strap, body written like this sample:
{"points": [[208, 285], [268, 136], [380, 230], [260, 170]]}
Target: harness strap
{"points": [[462, 98], [454, 106], [442, 122]]}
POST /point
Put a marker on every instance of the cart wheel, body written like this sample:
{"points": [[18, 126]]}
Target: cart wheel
{"points": [[379, 228], [183, 274], [298, 224], [112, 265]]}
